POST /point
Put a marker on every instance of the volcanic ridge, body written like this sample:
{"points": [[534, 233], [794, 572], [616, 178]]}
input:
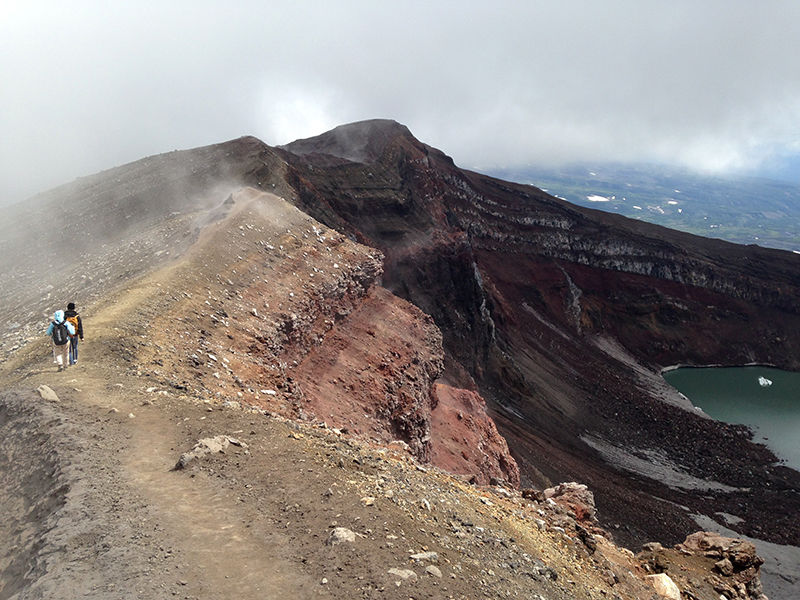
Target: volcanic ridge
{"points": [[346, 367]]}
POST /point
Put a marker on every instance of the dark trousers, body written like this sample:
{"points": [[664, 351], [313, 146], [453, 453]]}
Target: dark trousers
{"points": [[73, 350]]}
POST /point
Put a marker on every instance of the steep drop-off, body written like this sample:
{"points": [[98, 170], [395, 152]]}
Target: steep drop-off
{"points": [[559, 316], [563, 316], [265, 306]]}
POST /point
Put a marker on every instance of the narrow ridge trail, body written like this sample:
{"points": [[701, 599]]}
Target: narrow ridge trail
{"points": [[212, 549]]}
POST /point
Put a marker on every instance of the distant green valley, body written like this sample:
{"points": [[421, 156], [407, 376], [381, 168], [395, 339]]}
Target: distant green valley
{"points": [[744, 210]]}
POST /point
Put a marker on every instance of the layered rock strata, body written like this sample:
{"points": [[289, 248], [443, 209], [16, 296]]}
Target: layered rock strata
{"points": [[272, 309]]}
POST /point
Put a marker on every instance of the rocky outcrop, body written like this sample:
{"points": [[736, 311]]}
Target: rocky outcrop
{"points": [[562, 317], [736, 564], [465, 439], [575, 497], [711, 565]]}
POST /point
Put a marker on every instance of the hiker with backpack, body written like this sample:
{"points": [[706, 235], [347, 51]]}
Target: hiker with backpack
{"points": [[59, 331], [72, 316]]}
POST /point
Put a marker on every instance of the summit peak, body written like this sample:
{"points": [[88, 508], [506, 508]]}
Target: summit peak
{"points": [[361, 142]]}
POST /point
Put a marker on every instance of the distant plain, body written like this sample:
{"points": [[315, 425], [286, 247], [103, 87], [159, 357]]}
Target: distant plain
{"points": [[744, 210]]}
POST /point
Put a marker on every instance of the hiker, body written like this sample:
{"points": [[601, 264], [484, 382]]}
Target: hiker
{"points": [[72, 316], [59, 331]]}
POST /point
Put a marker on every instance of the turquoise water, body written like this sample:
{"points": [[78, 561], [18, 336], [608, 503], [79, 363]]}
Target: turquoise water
{"points": [[734, 395]]}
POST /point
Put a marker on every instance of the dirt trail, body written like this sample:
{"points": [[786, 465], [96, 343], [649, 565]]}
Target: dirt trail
{"points": [[202, 521], [207, 533]]}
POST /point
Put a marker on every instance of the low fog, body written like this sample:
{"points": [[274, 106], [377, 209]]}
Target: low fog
{"points": [[89, 85]]}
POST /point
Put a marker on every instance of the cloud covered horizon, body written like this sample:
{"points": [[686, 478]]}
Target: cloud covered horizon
{"points": [[713, 86]]}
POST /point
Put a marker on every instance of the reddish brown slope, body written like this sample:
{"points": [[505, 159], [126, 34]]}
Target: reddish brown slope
{"points": [[274, 310], [563, 315]]}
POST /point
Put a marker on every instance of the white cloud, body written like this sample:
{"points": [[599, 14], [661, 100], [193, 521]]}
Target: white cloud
{"points": [[90, 84], [293, 113]]}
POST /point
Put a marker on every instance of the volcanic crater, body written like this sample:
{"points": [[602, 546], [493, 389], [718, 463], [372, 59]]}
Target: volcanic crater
{"points": [[360, 284]]}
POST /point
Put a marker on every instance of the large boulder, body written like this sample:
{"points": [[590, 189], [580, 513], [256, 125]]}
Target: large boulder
{"points": [[664, 586], [575, 497]]}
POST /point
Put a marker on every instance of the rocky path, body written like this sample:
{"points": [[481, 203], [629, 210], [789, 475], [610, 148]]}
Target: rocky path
{"points": [[129, 526]]}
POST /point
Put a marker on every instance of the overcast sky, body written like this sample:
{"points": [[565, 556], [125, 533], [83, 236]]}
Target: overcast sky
{"points": [[85, 86]]}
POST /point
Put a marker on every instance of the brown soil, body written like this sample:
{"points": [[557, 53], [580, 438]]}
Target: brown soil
{"points": [[252, 522], [94, 509]]}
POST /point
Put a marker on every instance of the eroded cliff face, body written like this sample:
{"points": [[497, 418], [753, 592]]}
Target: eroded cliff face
{"points": [[562, 317], [463, 442], [274, 310]]}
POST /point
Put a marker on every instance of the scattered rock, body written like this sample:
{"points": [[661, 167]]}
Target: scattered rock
{"points": [[587, 539], [610, 577], [428, 556], [434, 571], [341, 535], [47, 394], [664, 586], [532, 494], [207, 446], [652, 547], [404, 574], [724, 566]]}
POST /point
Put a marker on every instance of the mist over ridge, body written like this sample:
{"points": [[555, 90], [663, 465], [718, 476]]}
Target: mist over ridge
{"points": [[711, 86]]}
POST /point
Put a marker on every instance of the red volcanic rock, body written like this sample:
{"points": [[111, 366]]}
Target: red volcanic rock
{"points": [[465, 438], [575, 497], [741, 554], [295, 322], [374, 370]]}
